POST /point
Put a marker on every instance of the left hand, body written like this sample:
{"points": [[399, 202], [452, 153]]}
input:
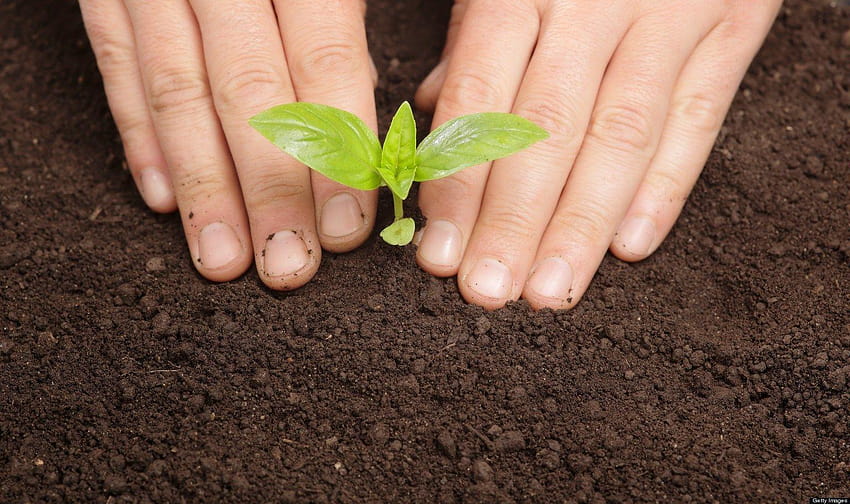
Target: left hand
{"points": [[633, 93]]}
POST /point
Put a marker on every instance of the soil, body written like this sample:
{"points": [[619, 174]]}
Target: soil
{"points": [[716, 371]]}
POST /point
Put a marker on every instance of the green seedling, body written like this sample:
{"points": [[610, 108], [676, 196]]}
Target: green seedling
{"points": [[340, 146]]}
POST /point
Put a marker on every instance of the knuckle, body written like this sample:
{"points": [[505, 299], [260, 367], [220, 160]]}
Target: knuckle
{"points": [[586, 224], [470, 89], [506, 222], [622, 127], [248, 86], [461, 186], [200, 188], [552, 115], [113, 53], [270, 187], [520, 13], [175, 89], [134, 129], [330, 57], [699, 112], [743, 19], [665, 186]]}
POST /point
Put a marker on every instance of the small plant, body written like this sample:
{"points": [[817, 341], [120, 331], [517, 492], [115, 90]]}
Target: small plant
{"points": [[340, 146]]}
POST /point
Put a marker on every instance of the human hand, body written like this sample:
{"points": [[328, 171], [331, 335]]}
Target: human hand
{"points": [[633, 93], [183, 77]]}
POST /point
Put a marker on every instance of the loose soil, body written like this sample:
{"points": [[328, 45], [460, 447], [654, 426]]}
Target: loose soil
{"points": [[716, 371]]}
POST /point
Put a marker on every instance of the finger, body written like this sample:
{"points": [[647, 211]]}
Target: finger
{"points": [[702, 97], [429, 90], [328, 57], [178, 95], [484, 74], [557, 94], [373, 72], [621, 139], [111, 34], [246, 78]]}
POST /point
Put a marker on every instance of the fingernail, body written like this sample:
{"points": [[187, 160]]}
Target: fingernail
{"points": [[435, 74], [285, 254], [156, 189], [637, 235], [373, 71], [341, 216], [441, 243], [218, 245], [490, 278], [552, 278]]}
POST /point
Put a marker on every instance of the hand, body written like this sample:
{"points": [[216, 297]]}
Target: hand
{"points": [[184, 76], [633, 93]]}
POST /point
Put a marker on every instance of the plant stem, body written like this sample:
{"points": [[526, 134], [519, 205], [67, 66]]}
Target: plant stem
{"points": [[398, 207]]}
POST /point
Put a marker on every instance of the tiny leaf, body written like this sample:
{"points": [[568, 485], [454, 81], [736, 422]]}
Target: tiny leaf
{"points": [[333, 142], [398, 158], [472, 140], [399, 232]]}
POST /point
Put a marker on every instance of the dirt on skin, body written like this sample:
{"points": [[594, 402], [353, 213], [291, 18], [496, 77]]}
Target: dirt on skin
{"points": [[716, 371]]}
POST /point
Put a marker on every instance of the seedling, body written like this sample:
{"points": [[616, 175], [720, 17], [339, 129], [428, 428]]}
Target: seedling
{"points": [[340, 146]]}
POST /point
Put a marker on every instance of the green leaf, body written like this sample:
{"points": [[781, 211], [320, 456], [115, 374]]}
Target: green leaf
{"points": [[398, 159], [472, 140], [333, 142], [399, 232]]}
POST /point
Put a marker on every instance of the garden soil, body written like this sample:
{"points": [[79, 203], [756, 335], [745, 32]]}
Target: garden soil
{"points": [[718, 370]]}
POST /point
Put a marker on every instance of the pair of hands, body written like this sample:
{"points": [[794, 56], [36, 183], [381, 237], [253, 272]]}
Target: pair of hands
{"points": [[633, 93]]}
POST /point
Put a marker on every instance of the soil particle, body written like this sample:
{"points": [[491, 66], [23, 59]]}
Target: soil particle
{"points": [[446, 444], [115, 484], [481, 471], [509, 441], [155, 265], [12, 254], [6, 345], [837, 379], [594, 410], [486, 492]]}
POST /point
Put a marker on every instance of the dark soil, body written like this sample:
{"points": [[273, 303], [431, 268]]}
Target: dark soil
{"points": [[716, 371]]}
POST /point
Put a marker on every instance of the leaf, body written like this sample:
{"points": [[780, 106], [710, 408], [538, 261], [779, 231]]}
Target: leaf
{"points": [[399, 232], [472, 140], [398, 158], [333, 142]]}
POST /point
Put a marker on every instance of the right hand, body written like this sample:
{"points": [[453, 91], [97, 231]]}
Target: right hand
{"points": [[184, 76]]}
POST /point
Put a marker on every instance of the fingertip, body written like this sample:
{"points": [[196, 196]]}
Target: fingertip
{"points": [[288, 260], [636, 238], [439, 248], [436, 269], [347, 243], [621, 252], [489, 283], [373, 72], [550, 285], [429, 91], [346, 220], [539, 302], [156, 190], [425, 100], [219, 253]]}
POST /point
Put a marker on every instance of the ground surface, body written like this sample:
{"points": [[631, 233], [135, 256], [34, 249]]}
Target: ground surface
{"points": [[716, 371]]}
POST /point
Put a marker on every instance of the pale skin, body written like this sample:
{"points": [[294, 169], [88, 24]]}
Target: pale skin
{"points": [[633, 93]]}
